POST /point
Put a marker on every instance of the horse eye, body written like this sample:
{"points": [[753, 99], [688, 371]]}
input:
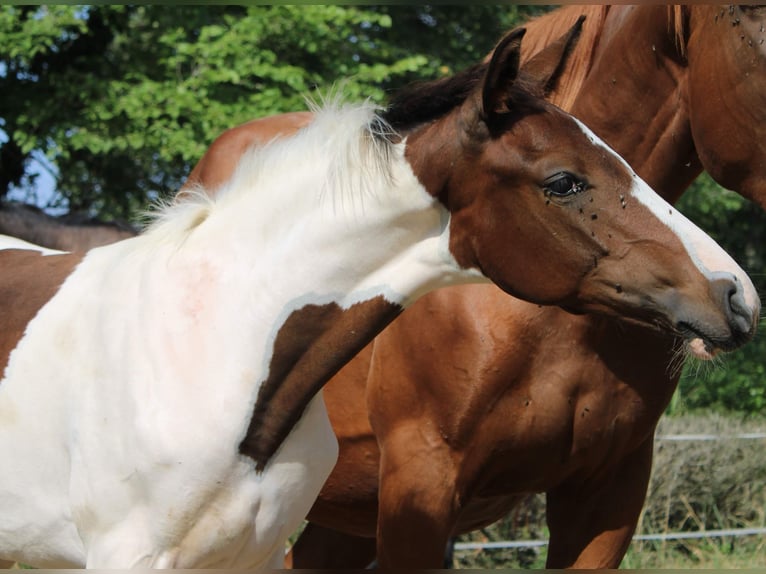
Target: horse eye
{"points": [[563, 184]]}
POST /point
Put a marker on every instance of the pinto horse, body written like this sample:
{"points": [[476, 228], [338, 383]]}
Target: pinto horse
{"points": [[158, 403], [473, 399]]}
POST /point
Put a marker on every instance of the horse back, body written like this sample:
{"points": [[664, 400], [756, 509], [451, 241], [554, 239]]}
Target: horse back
{"points": [[220, 160]]}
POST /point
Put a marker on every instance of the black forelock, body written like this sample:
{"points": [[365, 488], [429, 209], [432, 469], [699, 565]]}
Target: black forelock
{"points": [[424, 102]]}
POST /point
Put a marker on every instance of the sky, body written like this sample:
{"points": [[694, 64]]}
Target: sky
{"points": [[45, 185]]}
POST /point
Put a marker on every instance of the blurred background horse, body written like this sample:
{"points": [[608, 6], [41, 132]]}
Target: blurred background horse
{"points": [[70, 232]]}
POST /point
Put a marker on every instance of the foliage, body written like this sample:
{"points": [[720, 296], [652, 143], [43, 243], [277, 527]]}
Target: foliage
{"points": [[123, 100]]}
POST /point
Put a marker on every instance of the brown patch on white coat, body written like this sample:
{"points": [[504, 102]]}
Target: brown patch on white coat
{"points": [[19, 271]]}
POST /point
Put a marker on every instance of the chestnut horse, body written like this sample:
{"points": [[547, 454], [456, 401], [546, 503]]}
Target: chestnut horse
{"points": [[476, 399], [158, 403]]}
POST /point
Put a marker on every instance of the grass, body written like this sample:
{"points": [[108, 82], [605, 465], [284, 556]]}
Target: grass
{"points": [[719, 553]]}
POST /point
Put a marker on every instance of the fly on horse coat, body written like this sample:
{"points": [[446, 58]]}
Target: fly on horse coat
{"points": [[159, 400]]}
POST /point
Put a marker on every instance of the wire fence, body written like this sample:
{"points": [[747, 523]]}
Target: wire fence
{"points": [[504, 544], [711, 437], [733, 532]]}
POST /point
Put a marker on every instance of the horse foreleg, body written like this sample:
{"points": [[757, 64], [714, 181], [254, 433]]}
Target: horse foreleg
{"points": [[320, 547], [418, 503], [592, 526]]}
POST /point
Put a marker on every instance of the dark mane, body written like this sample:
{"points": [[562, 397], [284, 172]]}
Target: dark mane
{"points": [[424, 102]]}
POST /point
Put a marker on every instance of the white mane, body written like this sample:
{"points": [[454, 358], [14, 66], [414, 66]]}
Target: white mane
{"points": [[350, 145]]}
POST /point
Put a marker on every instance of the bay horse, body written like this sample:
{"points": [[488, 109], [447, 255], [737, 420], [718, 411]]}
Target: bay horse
{"points": [[71, 232], [158, 403], [472, 399]]}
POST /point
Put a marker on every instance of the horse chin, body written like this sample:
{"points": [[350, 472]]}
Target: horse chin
{"points": [[701, 349]]}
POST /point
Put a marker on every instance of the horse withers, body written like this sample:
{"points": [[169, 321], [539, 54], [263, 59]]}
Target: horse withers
{"points": [[174, 420]]}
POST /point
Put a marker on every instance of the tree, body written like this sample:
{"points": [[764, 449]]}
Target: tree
{"points": [[123, 100]]}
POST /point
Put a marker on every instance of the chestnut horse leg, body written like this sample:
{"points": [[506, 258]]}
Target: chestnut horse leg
{"points": [[592, 524], [418, 504], [320, 547]]}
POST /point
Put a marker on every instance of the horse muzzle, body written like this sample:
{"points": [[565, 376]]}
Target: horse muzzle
{"points": [[735, 324]]}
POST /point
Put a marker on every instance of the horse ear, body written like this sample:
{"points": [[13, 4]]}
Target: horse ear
{"points": [[502, 71], [546, 68]]}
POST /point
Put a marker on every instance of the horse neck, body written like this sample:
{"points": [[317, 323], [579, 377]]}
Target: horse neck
{"points": [[635, 97], [339, 275], [727, 72], [330, 270], [339, 244]]}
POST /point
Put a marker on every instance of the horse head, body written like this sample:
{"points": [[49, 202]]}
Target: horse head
{"points": [[521, 178]]}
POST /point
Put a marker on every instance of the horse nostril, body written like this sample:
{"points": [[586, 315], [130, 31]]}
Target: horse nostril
{"points": [[740, 317]]}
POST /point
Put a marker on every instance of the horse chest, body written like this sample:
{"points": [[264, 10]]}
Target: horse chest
{"points": [[546, 441]]}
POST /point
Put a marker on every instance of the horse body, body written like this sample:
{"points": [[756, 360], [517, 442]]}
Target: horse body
{"points": [[175, 420], [146, 355], [506, 433], [523, 399], [729, 138], [561, 421], [221, 158], [477, 399]]}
